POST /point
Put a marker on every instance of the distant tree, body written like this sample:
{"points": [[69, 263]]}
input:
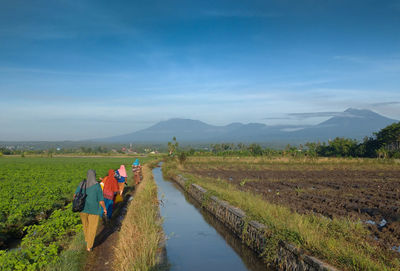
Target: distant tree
{"points": [[173, 146], [367, 148], [7, 152], [241, 146], [182, 157], [389, 134], [382, 152], [292, 150], [343, 146], [385, 143], [216, 148], [339, 147], [255, 149], [268, 152], [226, 147], [312, 148]]}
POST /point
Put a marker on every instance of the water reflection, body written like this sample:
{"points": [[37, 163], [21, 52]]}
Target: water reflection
{"points": [[196, 239]]}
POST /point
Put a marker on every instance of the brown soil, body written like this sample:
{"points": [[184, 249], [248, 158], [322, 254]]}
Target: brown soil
{"points": [[368, 195], [101, 258]]}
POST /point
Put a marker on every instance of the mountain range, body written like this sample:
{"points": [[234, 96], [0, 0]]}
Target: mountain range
{"points": [[352, 123]]}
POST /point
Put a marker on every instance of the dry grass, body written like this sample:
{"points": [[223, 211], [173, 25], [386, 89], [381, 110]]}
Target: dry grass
{"points": [[141, 231], [340, 242], [287, 163]]}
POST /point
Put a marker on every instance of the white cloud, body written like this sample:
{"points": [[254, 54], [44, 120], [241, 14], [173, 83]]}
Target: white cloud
{"points": [[81, 118]]}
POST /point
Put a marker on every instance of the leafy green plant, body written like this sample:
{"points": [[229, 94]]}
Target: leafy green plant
{"points": [[35, 193], [243, 182]]}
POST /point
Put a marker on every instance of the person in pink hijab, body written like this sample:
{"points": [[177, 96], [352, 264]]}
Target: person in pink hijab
{"points": [[122, 179]]}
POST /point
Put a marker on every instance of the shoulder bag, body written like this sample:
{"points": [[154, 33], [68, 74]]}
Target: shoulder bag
{"points": [[79, 201]]}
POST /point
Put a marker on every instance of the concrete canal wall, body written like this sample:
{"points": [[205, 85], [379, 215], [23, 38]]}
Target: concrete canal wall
{"points": [[252, 233]]}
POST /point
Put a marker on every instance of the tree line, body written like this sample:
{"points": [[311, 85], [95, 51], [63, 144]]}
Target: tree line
{"points": [[382, 144]]}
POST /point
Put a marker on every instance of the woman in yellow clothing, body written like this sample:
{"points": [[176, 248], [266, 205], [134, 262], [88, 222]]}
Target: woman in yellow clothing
{"points": [[92, 211]]}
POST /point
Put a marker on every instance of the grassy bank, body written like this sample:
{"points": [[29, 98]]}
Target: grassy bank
{"points": [[73, 258], [141, 229], [340, 242]]}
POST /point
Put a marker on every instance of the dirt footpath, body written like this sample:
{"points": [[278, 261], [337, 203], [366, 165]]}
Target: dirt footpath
{"points": [[370, 195], [101, 258]]}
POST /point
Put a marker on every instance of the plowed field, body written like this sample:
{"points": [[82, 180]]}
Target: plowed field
{"points": [[366, 193]]}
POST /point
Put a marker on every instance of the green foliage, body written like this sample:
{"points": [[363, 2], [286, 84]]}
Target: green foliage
{"points": [[5, 151], [172, 146], [385, 143], [339, 147], [73, 258], [241, 149], [389, 134], [312, 149], [42, 242], [182, 157], [255, 149], [33, 188], [206, 196]]}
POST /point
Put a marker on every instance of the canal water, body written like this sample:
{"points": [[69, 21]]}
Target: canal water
{"points": [[195, 239]]}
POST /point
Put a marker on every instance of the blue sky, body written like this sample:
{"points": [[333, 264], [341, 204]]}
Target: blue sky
{"points": [[84, 69]]}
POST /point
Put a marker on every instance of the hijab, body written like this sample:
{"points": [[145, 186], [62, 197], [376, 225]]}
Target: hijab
{"points": [[110, 184], [136, 163], [90, 178], [122, 171]]}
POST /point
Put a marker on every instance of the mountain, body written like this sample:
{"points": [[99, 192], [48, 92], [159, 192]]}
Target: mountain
{"points": [[352, 123], [165, 130]]}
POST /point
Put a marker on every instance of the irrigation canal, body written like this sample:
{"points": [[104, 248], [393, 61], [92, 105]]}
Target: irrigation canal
{"points": [[195, 239]]}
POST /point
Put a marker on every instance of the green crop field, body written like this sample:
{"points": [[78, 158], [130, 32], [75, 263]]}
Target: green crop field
{"points": [[35, 200]]}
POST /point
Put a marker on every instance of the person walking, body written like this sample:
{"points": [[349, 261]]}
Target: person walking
{"points": [[136, 169], [91, 212], [122, 179], [109, 190]]}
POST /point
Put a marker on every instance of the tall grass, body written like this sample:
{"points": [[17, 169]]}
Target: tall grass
{"points": [[73, 258], [141, 230], [340, 242]]}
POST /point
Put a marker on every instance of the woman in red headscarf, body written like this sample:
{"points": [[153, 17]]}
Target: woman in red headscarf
{"points": [[109, 190]]}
